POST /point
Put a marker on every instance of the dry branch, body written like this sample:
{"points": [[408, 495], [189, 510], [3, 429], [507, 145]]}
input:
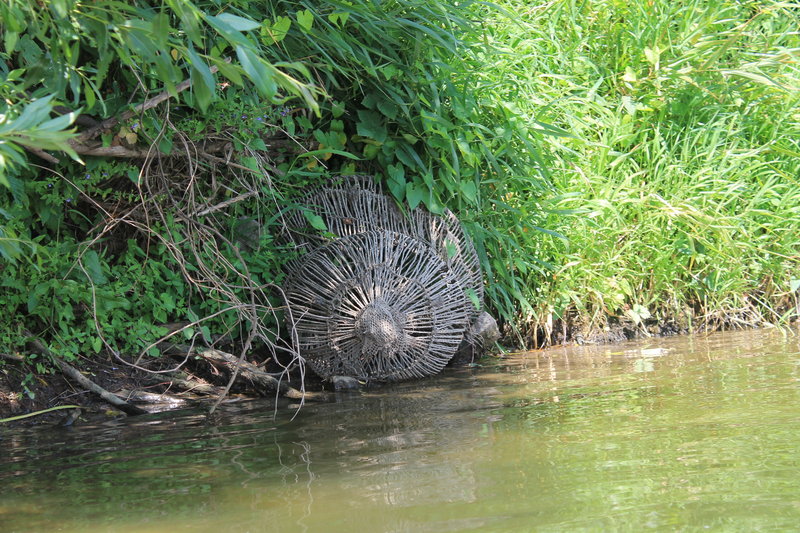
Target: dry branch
{"points": [[73, 373], [42, 154], [109, 123], [152, 397], [247, 371], [192, 385], [134, 153]]}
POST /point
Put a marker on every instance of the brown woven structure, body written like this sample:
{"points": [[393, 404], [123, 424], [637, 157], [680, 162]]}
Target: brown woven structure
{"points": [[376, 306], [382, 294], [356, 204]]}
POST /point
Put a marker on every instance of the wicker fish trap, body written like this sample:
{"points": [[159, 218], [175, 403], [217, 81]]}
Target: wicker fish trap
{"points": [[357, 204], [377, 305]]}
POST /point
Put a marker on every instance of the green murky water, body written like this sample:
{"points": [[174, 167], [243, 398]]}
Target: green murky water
{"points": [[671, 434]]}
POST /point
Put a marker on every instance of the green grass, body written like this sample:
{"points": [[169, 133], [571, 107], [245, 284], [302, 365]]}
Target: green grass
{"points": [[680, 177], [613, 160]]}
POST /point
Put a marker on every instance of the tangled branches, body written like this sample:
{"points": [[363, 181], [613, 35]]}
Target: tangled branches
{"points": [[184, 208]]}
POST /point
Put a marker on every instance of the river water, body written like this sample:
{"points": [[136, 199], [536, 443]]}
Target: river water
{"points": [[676, 434]]}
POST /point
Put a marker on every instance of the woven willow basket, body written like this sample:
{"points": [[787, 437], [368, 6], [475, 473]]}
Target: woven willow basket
{"points": [[381, 295], [376, 306]]}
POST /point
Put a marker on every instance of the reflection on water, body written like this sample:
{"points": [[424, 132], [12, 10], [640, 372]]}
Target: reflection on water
{"points": [[697, 433]]}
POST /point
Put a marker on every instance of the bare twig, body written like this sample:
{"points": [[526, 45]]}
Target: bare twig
{"points": [[152, 398], [110, 151], [130, 153], [215, 159], [226, 203], [246, 370], [13, 357], [194, 385]]}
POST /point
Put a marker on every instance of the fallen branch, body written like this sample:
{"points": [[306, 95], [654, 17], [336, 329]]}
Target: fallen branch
{"points": [[223, 205], [152, 397], [73, 373], [110, 151], [133, 153], [42, 154], [86, 383], [163, 96], [192, 385], [248, 371]]}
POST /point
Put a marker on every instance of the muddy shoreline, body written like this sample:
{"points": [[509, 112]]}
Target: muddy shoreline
{"points": [[23, 392]]}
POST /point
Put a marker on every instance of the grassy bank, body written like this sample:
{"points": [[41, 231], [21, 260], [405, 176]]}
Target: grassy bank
{"points": [[618, 165], [677, 182]]}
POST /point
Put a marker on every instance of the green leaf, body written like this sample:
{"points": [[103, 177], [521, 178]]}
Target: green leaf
{"points": [[473, 297], [202, 80], [133, 175], [414, 195], [630, 75], [278, 30], [315, 220], [794, 285], [327, 151], [397, 181], [451, 248], [758, 77], [306, 19], [17, 187], [33, 114], [238, 23], [232, 72], [470, 191], [257, 72], [652, 55], [229, 32], [11, 38], [161, 30], [9, 245], [165, 144], [339, 19], [94, 268], [371, 125], [629, 104], [252, 164], [33, 301]]}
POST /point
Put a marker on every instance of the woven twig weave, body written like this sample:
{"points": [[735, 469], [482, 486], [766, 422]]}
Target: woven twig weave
{"points": [[381, 294], [356, 204], [377, 305]]}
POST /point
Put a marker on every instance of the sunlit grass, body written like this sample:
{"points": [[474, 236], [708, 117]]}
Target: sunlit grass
{"points": [[684, 160]]}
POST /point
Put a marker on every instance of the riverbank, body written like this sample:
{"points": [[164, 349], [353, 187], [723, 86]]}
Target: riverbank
{"points": [[624, 170], [674, 167], [203, 383]]}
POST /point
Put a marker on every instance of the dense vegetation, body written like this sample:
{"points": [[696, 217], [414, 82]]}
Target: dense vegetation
{"points": [[683, 159], [613, 161]]}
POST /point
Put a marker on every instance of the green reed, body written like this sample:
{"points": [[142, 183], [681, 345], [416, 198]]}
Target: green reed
{"points": [[676, 188]]}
